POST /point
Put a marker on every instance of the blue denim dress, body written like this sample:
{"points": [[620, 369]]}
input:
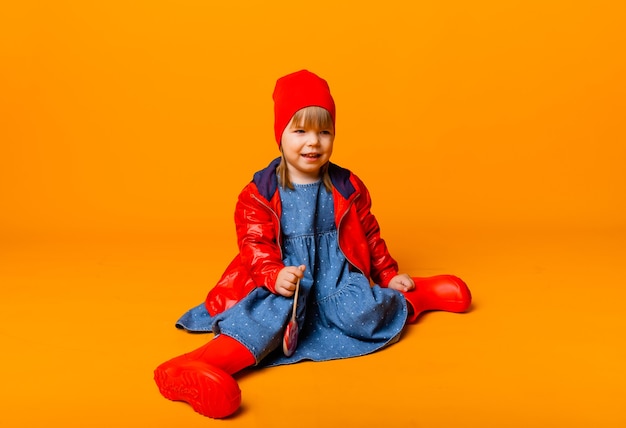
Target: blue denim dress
{"points": [[339, 313]]}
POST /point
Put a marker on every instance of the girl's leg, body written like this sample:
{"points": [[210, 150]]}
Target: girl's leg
{"points": [[438, 293], [203, 378]]}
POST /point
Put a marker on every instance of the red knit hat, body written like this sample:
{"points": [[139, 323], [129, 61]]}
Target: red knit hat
{"points": [[296, 91]]}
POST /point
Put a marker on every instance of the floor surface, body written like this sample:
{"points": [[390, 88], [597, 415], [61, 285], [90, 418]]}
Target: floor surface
{"points": [[83, 324]]}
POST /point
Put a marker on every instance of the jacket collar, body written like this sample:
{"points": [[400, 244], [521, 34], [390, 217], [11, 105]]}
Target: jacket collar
{"points": [[340, 177], [266, 180]]}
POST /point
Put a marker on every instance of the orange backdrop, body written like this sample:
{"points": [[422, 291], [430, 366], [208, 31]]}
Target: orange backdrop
{"points": [[127, 116], [490, 133]]}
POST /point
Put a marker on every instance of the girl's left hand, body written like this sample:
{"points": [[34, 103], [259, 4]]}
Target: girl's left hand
{"points": [[402, 282]]}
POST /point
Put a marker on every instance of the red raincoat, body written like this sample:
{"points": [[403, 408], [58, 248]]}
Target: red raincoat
{"points": [[257, 219]]}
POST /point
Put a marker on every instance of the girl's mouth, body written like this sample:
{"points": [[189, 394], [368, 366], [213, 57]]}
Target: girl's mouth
{"points": [[311, 155]]}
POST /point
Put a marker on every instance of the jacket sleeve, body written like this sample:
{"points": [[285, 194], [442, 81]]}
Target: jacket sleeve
{"points": [[383, 267], [258, 239]]}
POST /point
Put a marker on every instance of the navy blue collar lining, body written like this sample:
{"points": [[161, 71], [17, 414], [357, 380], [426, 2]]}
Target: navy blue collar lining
{"points": [[267, 181]]}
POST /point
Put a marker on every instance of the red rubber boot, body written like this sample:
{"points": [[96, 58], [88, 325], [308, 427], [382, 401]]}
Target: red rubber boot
{"points": [[438, 293], [202, 378]]}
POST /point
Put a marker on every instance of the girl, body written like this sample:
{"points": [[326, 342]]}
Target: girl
{"points": [[302, 222]]}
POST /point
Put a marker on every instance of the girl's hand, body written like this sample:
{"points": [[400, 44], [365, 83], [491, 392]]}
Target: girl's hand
{"points": [[402, 282], [287, 278]]}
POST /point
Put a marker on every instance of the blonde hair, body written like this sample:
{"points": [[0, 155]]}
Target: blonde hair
{"points": [[308, 117]]}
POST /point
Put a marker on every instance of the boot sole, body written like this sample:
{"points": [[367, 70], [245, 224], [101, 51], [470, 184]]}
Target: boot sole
{"points": [[209, 390]]}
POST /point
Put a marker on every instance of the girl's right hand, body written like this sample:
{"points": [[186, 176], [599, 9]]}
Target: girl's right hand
{"points": [[287, 278]]}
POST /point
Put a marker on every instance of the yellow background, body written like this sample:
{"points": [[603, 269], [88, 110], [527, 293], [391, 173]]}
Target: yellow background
{"points": [[490, 133]]}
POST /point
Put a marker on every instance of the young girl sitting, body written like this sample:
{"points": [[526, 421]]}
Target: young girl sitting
{"points": [[302, 223]]}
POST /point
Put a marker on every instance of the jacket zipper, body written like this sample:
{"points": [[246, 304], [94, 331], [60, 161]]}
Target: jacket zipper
{"points": [[279, 231], [338, 231]]}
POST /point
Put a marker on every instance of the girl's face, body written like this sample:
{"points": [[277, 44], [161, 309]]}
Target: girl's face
{"points": [[306, 150]]}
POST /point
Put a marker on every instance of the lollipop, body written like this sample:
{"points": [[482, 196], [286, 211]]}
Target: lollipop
{"points": [[290, 338]]}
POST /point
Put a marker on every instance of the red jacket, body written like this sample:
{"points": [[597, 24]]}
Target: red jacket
{"points": [[260, 258]]}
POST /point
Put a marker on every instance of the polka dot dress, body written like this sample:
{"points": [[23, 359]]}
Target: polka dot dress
{"points": [[340, 315]]}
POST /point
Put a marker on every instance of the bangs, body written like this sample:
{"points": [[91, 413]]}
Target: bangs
{"points": [[313, 117]]}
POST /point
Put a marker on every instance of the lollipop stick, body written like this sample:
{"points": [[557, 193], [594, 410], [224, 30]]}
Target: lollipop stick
{"points": [[295, 300]]}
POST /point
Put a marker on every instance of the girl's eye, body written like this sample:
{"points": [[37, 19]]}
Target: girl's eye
{"points": [[325, 132]]}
